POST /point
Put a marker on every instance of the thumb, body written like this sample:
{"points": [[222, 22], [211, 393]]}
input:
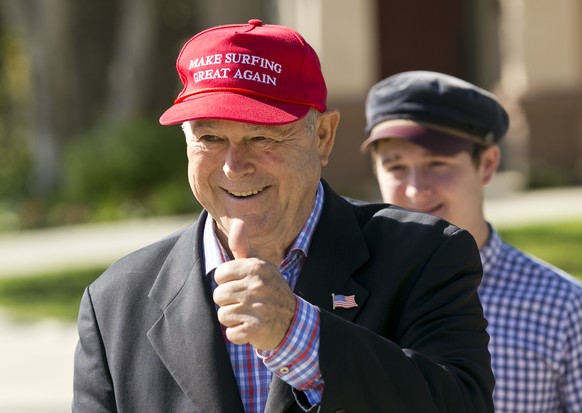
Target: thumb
{"points": [[238, 240]]}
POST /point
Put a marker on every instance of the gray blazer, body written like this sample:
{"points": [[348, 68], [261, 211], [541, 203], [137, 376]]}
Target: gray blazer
{"points": [[150, 341]]}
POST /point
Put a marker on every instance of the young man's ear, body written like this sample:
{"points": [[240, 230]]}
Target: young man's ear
{"points": [[490, 159]]}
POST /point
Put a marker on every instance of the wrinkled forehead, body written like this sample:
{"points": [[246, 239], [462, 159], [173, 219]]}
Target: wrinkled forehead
{"points": [[221, 124]]}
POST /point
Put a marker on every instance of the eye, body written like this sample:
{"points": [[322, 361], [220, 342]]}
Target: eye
{"points": [[261, 141], [208, 138], [207, 141], [391, 166], [437, 163], [394, 167]]}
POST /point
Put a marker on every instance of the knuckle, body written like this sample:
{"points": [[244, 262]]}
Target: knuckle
{"points": [[223, 315]]}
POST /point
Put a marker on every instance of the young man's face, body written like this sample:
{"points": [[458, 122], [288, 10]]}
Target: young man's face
{"points": [[450, 187]]}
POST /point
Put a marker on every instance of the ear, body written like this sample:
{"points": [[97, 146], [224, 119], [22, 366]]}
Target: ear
{"points": [[326, 128], [490, 159]]}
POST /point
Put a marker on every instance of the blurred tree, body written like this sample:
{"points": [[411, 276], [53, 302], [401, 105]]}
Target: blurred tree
{"points": [[78, 76], [14, 85], [134, 54], [92, 62], [46, 30]]}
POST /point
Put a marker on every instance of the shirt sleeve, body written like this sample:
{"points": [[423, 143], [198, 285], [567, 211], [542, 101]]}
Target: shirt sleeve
{"points": [[296, 359]]}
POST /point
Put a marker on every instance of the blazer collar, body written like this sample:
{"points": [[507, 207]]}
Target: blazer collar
{"points": [[333, 258]]}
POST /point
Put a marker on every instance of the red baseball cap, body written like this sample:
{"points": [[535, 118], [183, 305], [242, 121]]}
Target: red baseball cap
{"points": [[252, 73]]}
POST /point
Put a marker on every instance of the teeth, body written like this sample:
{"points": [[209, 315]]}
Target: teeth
{"points": [[245, 193]]}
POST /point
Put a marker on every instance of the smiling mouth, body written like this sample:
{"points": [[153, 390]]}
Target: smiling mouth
{"points": [[245, 194], [434, 209], [429, 210]]}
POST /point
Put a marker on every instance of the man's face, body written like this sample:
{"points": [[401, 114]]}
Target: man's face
{"points": [[450, 187], [265, 175]]}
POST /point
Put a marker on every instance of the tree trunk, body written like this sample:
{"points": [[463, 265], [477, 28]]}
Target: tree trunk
{"points": [[47, 34], [130, 73]]}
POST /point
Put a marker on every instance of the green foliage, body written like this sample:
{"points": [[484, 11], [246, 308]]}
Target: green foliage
{"points": [[137, 169], [52, 295], [557, 243]]}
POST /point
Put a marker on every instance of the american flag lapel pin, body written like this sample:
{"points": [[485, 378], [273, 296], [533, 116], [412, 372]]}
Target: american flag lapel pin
{"points": [[343, 301]]}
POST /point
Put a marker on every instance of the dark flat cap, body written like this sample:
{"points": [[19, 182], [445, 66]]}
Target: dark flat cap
{"points": [[425, 106]]}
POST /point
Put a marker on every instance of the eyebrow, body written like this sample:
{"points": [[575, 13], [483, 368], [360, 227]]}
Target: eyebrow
{"points": [[426, 155], [389, 158], [203, 122], [279, 130]]}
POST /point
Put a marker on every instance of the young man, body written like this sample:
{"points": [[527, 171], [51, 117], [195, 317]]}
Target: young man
{"points": [[433, 141], [282, 296]]}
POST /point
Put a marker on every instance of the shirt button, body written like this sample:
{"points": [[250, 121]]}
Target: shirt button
{"points": [[284, 370]]}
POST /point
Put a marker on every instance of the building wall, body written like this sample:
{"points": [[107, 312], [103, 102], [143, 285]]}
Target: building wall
{"points": [[527, 52], [552, 102]]}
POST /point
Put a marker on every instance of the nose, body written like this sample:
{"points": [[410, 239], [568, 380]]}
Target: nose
{"points": [[418, 187], [237, 161]]}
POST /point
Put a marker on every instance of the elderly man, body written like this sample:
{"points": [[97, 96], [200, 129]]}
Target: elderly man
{"points": [[433, 140], [282, 296]]}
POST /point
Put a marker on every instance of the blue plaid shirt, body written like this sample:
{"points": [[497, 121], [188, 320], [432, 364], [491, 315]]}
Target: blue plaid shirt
{"points": [[296, 359], [535, 323]]}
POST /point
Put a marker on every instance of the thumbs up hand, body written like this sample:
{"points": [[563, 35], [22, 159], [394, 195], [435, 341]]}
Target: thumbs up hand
{"points": [[256, 304], [238, 240]]}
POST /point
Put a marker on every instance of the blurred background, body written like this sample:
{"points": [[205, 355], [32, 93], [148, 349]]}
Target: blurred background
{"points": [[83, 83], [85, 165]]}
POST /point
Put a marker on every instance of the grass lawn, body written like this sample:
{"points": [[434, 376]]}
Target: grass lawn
{"points": [[58, 294], [54, 295], [558, 243]]}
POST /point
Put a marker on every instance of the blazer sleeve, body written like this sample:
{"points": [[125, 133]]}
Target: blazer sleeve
{"points": [[92, 384], [435, 360]]}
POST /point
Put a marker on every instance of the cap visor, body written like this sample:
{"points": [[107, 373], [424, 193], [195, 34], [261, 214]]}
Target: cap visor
{"points": [[431, 139], [236, 107]]}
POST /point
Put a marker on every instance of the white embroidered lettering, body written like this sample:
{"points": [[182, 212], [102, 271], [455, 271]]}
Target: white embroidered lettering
{"points": [[246, 59], [214, 59], [255, 77], [221, 73]]}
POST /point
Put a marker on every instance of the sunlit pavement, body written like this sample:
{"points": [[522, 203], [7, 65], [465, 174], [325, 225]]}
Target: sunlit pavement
{"points": [[36, 366]]}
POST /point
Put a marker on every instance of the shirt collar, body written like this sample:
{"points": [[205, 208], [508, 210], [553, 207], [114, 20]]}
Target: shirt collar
{"points": [[215, 254], [490, 250]]}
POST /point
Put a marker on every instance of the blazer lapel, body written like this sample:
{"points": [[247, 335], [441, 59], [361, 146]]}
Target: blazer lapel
{"points": [[190, 343], [333, 258], [331, 262], [280, 396], [187, 337]]}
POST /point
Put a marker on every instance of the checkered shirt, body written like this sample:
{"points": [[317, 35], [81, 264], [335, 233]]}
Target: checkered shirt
{"points": [[535, 323], [296, 359]]}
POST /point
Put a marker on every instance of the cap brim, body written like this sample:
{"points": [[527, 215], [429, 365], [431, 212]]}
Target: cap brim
{"points": [[431, 139], [236, 107]]}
